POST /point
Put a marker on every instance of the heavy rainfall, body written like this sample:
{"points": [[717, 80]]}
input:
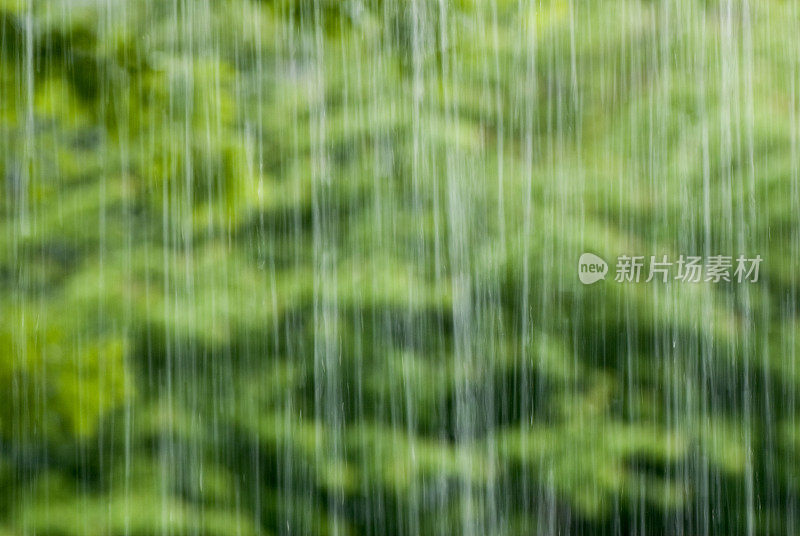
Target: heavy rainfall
{"points": [[313, 267]]}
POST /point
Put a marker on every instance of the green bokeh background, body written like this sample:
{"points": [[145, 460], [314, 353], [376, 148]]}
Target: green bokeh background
{"points": [[294, 267]]}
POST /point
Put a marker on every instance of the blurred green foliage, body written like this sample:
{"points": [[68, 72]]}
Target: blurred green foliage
{"points": [[272, 264]]}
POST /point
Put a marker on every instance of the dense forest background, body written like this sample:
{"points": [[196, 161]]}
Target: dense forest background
{"points": [[309, 267]]}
